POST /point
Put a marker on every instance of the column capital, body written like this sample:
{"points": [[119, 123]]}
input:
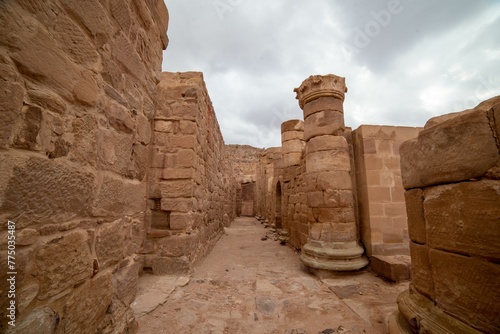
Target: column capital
{"points": [[317, 86]]}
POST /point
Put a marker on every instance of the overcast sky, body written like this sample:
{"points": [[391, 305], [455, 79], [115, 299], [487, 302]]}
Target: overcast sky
{"points": [[404, 60]]}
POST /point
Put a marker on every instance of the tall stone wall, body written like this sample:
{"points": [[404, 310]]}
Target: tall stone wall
{"points": [[191, 190], [269, 180], [451, 174], [77, 99], [381, 202]]}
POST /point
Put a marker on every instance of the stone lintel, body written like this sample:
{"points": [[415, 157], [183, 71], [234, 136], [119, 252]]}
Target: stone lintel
{"points": [[317, 86]]}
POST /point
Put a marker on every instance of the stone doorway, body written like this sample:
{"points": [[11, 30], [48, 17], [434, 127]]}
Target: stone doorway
{"points": [[247, 199]]}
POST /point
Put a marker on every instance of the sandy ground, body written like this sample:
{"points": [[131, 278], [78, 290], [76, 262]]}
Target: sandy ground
{"points": [[247, 285]]}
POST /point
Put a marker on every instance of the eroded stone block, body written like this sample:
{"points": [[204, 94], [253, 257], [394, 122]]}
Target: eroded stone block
{"points": [[110, 242], [87, 306], [464, 218], [60, 263], [456, 150], [468, 288]]}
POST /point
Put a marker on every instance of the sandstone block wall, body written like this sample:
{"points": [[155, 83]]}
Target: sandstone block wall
{"points": [[269, 180], [77, 99], [381, 201], [244, 161], [452, 181], [191, 188], [295, 210]]}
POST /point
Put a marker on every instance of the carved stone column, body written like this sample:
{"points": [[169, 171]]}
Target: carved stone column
{"points": [[333, 236]]}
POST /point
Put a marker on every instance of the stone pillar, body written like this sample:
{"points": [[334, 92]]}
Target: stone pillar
{"points": [[333, 239], [292, 143]]}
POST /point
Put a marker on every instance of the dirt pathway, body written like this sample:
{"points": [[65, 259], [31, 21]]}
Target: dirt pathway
{"points": [[247, 285]]}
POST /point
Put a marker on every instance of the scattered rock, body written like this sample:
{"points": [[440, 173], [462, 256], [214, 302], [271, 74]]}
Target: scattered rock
{"points": [[327, 331]]}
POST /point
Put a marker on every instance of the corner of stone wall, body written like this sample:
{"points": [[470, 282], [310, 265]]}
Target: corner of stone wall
{"points": [[381, 202], [191, 193]]}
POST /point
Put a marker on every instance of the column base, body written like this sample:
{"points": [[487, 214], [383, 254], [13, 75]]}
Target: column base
{"points": [[333, 256], [418, 314]]}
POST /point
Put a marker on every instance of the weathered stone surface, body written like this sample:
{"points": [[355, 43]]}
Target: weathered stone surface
{"points": [[69, 189], [41, 320], [26, 237], [140, 155], [464, 218], [83, 150], [73, 41], [392, 268], [326, 122], [108, 237], [114, 150], [184, 221], [28, 136], [11, 102], [415, 211], [86, 89], [119, 118], [179, 204], [87, 306], [93, 16], [38, 55], [333, 215], [117, 196], [60, 263], [320, 87], [123, 51], [467, 288], [330, 179], [26, 295], [167, 265], [78, 85], [483, 106], [292, 159], [421, 270], [125, 281], [291, 146], [176, 245], [47, 100], [335, 159], [143, 130], [327, 143], [456, 150], [332, 232], [292, 125]]}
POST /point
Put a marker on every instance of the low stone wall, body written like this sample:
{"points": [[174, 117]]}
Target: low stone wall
{"points": [[451, 174], [192, 191], [78, 81]]}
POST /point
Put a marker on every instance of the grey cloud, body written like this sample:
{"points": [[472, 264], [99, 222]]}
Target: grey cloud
{"points": [[260, 50]]}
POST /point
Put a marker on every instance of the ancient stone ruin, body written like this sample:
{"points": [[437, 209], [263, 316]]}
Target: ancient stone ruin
{"points": [[111, 170], [452, 181]]}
